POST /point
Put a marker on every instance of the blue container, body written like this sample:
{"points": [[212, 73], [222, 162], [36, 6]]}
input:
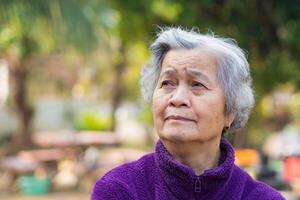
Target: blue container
{"points": [[31, 185]]}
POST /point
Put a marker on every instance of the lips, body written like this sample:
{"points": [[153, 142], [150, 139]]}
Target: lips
{"points": [[179, 118]]}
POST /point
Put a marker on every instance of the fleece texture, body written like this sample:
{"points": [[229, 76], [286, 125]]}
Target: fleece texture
{"points": [[158, 176]]}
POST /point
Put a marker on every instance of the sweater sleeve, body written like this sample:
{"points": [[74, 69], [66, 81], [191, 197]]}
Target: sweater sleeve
{"points": [[106, 189], [265, 192]]}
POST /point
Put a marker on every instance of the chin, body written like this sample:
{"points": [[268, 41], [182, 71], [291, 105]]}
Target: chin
{"points": [[176, 136]]}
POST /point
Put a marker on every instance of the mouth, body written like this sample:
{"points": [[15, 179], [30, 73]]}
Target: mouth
{"points": [[178, 118]]}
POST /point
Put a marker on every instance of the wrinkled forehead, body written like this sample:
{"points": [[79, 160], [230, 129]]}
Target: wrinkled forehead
{"points": [[194, 62], [189, 57]]}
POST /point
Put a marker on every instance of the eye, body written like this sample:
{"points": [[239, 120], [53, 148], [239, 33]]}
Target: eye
{"points": [[197, 84], [167, 83]]}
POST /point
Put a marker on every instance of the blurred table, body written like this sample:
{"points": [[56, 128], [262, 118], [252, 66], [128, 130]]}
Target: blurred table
{"points": [[69, 138]]}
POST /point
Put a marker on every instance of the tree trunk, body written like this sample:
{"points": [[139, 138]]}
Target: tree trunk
{"points": [[24, 111], [118, 86], [269, 23]]}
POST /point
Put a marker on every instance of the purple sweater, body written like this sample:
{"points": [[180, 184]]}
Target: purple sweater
{"points": [[158, 176]]}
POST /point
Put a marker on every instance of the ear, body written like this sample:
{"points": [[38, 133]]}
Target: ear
{"points": [[229, 119]]}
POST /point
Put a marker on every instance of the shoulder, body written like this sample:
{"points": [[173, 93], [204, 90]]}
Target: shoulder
{"points": [[131, 169], [110, 190], [121, 180], [255, 189]]}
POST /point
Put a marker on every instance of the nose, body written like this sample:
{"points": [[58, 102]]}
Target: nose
{"points": [[180, 97]]}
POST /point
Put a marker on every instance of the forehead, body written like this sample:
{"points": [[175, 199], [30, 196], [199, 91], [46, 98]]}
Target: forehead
{"points": [[196, 59]]}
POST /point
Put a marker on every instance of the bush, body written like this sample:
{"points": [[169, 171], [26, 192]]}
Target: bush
{"points": [[92, 121]]}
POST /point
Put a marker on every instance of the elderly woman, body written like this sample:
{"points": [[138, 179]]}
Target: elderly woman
{"points": [[200, 88]]}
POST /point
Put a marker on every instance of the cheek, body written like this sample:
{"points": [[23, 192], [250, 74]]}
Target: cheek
{"points": [[157, 108], [155, 105], [210, 111], [159, 101]]}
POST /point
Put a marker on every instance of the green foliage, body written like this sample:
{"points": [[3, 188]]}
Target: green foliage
{"points": [[58, 23], [146, 116], [278, 69], [167, 10], [92, 121], [137, 54]]}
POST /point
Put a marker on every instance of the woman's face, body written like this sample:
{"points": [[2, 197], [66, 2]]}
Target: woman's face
{"points": [[188, 102]]}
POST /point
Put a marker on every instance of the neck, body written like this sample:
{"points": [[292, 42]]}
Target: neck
{"points": [[200, 156]]}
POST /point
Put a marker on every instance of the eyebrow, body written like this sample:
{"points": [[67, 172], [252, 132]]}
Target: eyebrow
{"points": [[168, 72], [197, 74], [190, 72]]}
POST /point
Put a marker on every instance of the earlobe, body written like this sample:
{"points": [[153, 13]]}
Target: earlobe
{"points": [[224, 131], [229, 119], [228, 122]]}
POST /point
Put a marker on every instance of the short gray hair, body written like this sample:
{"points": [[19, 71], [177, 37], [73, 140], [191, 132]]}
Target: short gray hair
{"points": [[234, 74]]}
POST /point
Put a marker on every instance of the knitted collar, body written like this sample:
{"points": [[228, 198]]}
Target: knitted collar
{"points": [[181, 180]]}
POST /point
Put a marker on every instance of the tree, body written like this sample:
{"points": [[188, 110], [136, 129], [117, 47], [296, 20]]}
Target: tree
{"points": [[126, 28], [26, 27], [135, 24]]}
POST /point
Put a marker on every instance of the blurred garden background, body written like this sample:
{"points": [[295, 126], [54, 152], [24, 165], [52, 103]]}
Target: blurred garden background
{"points": [[70, 105]]}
